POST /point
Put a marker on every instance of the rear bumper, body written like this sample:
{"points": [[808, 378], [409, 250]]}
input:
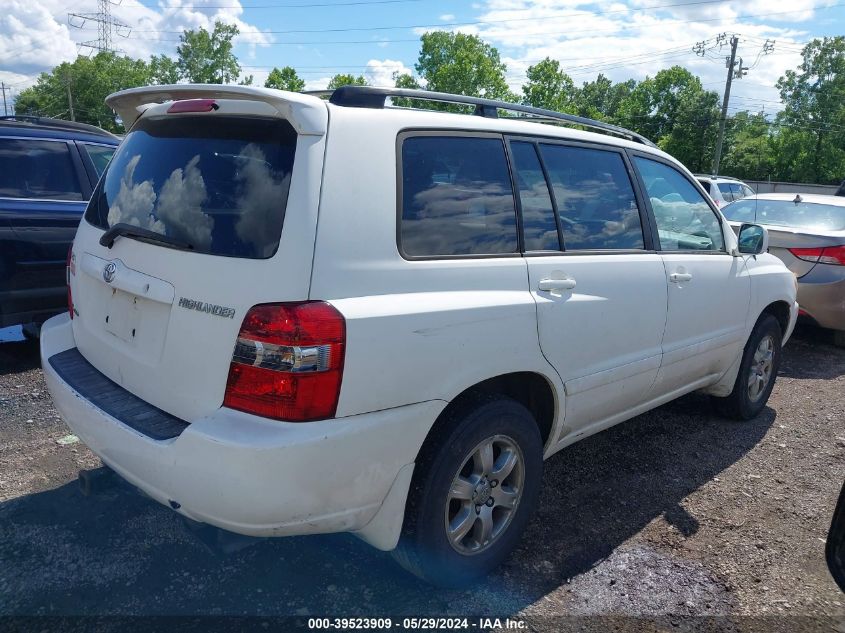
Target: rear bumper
{"points": [[254, 476], [821, 295]]}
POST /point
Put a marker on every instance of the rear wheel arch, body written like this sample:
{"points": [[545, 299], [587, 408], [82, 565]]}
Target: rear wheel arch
{"points": [[531, 389]]}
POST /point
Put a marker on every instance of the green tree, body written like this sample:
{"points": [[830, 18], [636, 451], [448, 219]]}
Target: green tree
{"points": [[462, 64], [748, 149], [163, 70], [547, 86], [284, 79], [207, 58], [652, 106], [346, 80], [692, 134], [86, 82], [601, 99], [810, 142]]}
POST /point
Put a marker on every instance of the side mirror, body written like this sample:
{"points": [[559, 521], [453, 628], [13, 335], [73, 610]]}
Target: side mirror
{"points": [[753, 239], [835, 549]]}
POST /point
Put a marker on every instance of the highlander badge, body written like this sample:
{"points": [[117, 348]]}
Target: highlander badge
{"points": [[201, 306]]}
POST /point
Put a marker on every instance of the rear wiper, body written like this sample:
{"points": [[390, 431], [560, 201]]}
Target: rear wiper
{"points": [[145, 235]]}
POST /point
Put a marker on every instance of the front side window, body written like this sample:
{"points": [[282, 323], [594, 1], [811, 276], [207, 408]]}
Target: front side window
{"points": [[538, 214], [218, 183], [595, 199], [457, 197], [36, 169], [685, 222]]}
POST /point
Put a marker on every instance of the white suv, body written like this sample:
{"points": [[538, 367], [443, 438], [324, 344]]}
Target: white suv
{"points": [[294, 316], [723, 189]]}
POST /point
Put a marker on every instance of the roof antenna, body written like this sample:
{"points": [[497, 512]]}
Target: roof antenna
{"points": [[798, 198]]}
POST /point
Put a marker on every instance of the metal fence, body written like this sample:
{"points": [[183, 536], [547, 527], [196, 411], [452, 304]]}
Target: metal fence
{"points": [[789, 187]]}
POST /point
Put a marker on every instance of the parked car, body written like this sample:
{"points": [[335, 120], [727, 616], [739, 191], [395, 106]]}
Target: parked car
{"points": [[724, 189], [293, 316], [841, 190], [807, 232], [48, 169]]}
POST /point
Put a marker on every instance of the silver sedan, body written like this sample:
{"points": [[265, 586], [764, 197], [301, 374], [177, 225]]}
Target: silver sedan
{"points": [[807, 232]]}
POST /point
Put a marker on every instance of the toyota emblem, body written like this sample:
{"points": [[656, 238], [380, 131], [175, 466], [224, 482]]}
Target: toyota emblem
{"points": [[108, 272]]}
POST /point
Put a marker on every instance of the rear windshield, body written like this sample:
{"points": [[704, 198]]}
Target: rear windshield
{"points": [[219, 184], [803, 215]]}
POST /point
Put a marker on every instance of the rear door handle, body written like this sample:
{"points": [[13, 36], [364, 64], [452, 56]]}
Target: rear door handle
{"points": [[549, 285], [679, 277]]}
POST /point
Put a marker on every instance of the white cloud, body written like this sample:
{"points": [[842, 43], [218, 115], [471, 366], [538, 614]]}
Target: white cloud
{"points": [[35, 35], [448, 17], [380, 71], [622, 41]]}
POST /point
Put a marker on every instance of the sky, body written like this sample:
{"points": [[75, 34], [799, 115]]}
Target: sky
{"points": [[621, 38]]}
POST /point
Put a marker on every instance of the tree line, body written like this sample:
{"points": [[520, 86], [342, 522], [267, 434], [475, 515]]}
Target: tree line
{"points": [[804, 142]]}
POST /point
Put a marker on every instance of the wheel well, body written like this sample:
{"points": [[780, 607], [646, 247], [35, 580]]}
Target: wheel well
{"points": [[531, 390], [779, 310]]}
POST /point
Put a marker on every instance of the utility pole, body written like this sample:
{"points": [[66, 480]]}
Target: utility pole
{"points": [[3, 88], [717, 156], [69, 97]]}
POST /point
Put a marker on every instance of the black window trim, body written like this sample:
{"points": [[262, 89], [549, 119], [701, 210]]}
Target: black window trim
{"points": [[696, 185], [452, 132], [650, 243], [81, 176]]}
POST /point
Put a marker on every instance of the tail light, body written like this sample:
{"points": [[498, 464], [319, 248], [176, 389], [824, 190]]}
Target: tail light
{"points": [[288, 362], [827, 255], [70, 269]]}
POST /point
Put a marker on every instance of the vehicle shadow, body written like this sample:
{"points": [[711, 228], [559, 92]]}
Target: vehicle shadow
{"points": [[811, 354], [119, 553], [18, 356]]}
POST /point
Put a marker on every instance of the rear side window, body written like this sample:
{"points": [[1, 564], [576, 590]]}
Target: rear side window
{"points": [[219, 183], [706, 185], [41, 170], [538, 214], [595, 198], [100, 155], [685, 222], [727, 191], [457, 197]]}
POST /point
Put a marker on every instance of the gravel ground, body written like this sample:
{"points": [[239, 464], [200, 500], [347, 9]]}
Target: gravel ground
{"points": [[676, 513]]}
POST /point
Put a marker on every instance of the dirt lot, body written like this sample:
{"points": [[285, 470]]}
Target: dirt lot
{"points": [[676, 513]]}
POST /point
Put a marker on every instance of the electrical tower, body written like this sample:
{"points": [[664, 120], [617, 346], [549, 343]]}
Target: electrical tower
{"points": [[107, 26]]}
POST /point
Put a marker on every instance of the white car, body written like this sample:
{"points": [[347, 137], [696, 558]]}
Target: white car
{"points": [[293, 316], [723, 189]]}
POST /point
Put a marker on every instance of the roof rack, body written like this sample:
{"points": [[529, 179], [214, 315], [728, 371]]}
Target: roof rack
{"points": [[368, 97], [57, 124]]}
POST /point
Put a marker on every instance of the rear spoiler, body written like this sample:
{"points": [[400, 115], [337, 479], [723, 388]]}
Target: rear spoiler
{"points": [[307, 114]]}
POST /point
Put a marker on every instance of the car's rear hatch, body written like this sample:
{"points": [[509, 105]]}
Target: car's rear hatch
{"points": [[217, 201]]}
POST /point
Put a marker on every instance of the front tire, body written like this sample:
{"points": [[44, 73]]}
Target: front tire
{"points": [[475, 487], [757, 372]]}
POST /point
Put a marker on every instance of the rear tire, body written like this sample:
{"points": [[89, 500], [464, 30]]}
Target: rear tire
{"points": [[839, 338], [488, 450], [757, 372]]}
